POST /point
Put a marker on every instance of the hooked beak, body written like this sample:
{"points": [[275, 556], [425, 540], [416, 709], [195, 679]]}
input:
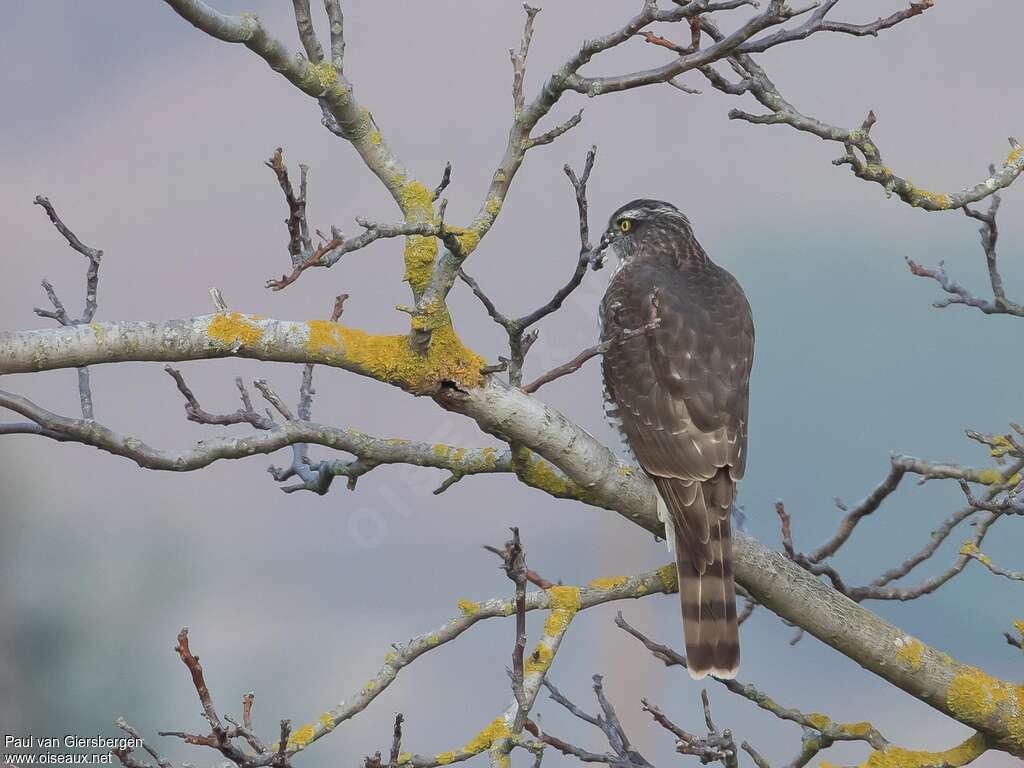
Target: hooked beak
{"points": [[598, 254]]}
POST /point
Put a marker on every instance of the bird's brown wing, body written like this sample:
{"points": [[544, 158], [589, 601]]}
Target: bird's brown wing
{"points": [[679, 393]]}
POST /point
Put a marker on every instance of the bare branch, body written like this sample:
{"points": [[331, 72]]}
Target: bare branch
{"points": [[314, 51], [337, 21], [1016, 642], [515, 569], [654, 39], [94, 255], [549, 136], [446, 178], [531, 575], [818, 23], [598, 349], [863, 509], [622, 755], [396, 741], [299, 243], [123, 754], [519, 338], [194, 412], [519, 60], [330, 253], [370, 449], [825, 731], [92, 278]]}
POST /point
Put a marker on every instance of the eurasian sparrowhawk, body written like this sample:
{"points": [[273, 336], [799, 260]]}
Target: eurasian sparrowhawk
{"points": [[678, 392]]}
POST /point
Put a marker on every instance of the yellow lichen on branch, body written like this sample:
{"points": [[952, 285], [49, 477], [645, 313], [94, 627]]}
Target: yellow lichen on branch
{"points": [[468, 607], [468, 238], [301, 738], [1000, 446], [609, 582], [994, 477], [975, 696], [536, 472], [917, 196], [417, 203], [910, 652], [565, 602], [234, 329], [669, 576], [819, 721], [895, 757], [495, 731], [393, 360]]}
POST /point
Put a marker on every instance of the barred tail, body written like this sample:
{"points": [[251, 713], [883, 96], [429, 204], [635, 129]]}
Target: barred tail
{"points": [[709, 611], [706, 590]]}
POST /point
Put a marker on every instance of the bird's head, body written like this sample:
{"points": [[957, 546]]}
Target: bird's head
{"points": [[639, 221]]}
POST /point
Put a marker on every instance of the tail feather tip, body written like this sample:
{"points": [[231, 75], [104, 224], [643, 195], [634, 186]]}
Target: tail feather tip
{"points": [[721, 674]]}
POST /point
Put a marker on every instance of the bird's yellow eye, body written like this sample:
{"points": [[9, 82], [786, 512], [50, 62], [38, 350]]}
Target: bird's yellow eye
{"points": [[625, 225]]}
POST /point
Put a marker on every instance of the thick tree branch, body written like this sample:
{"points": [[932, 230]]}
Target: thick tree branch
{"points": [[771, 579], [226, 334], [820, 731]]}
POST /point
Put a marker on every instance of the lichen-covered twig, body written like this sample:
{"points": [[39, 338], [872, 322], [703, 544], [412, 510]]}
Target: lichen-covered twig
{"points": [[561, 602], [567, 79], [861, 153], [820, 732], [999, 304], [997, 482], [464, 461]]}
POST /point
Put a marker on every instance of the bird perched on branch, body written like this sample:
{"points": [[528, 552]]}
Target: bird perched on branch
{"points": [[678, 393]]}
